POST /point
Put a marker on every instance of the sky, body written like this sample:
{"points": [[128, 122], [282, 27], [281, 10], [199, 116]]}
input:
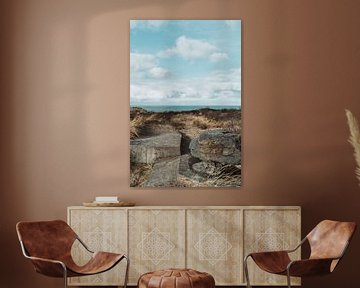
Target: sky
{"points": [[185, 62]]}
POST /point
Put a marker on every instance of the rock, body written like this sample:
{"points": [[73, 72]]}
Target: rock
{"points": [[217, 145], [186, 162], [164, 173], [208, 168], [149, 150]]}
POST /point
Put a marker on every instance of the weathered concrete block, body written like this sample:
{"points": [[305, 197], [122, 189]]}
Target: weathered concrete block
{"points": [[186, 161], [149, 150], [164, 173]]}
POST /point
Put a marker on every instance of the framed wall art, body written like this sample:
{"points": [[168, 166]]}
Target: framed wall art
{"points": [[185, 103]]}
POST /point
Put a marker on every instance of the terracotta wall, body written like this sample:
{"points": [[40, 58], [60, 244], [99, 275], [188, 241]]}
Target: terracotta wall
{"points": [[64, 112]]}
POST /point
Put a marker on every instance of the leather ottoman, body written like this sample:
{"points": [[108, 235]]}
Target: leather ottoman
{"points": [[176, 278]]}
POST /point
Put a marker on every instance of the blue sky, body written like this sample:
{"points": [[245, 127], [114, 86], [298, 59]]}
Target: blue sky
{"points": [[185, 62]]}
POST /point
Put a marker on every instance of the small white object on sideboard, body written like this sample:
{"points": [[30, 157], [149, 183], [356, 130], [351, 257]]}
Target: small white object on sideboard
{"points": [[212, 239]]}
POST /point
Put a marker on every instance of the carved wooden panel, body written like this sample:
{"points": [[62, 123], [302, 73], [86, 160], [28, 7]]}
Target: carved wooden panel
{"points": [[156, 240], [101, 230], [214, 241], [269, 230], [209, 239]]}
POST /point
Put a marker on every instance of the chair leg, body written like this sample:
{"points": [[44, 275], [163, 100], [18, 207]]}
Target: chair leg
{"points": [[246, 270], [288, 278], [65, 276], [126, 271]]}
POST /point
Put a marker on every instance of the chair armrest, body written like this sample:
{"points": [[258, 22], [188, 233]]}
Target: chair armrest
{"points": [[45, 260], [298, 246], [48, 267], [268, 253], [309, 267], [280, 251], [83, 244]]}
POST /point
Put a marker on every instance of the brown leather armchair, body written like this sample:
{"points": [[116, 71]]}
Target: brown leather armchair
{"points": [[48, 245], [328, 242]]}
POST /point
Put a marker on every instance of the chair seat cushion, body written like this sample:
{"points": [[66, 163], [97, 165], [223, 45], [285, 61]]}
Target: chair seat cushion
{"points": [[176, 278]]}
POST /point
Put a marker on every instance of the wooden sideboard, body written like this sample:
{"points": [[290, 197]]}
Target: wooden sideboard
{"points": [[213, 239]]}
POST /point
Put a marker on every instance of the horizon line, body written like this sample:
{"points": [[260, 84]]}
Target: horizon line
{"points": [[182, 105]]}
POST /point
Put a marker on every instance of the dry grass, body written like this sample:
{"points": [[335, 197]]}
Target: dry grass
{"points": [[354, 140], [183, 181], [230, 176], [135, 126], [208, 123], [192, 121], [139, 174], [204, 122]]}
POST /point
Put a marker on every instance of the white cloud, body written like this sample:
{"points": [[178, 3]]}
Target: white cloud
{"points": [[145, 94], [218, 56], [158, 72], [147, 24], [232, 23], [146, 66], [191, 49], [218, 88], [141, 62]]}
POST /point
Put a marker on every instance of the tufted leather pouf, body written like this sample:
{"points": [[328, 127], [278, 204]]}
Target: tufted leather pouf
{"points": [[176, 278]]}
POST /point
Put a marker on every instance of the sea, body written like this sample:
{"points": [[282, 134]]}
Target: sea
{"points": [[184, 108]]}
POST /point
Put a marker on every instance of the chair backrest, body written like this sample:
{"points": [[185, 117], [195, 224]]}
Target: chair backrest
{"points": [[329, 239], [46, 239]]}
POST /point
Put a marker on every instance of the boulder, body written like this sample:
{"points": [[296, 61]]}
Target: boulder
{"points": [[186, 162], [164, 173], [149, 150], [217, 145]]}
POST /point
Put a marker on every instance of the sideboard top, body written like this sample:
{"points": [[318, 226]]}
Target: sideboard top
{"points": [[192, 207]]}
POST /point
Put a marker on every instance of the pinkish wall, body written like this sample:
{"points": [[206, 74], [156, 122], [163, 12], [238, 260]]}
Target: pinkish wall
{"points": [[65, 112]]}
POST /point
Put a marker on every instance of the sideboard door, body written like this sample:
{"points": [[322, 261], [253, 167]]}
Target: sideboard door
{"points": [[214, 244], [101, 230], [156, 240], [271, 230]]}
